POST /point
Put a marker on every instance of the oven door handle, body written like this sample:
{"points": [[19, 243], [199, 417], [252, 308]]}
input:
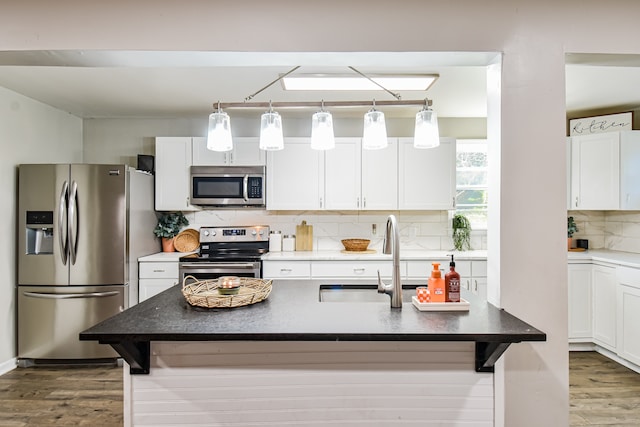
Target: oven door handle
{"points": [[245, 187], [248, 265]]}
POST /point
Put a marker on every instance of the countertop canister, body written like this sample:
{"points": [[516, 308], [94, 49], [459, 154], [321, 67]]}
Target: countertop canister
{"points": [[289, 243]]}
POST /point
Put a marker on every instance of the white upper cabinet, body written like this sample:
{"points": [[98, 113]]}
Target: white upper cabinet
{"points": [[427, 177], [380, 178], [173, 162], [595, 169], [604, 171], [295, 177], [342, 177], [246, 152]]}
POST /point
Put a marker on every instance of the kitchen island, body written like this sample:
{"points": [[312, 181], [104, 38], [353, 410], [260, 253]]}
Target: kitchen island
{"points": [[293, 360]]}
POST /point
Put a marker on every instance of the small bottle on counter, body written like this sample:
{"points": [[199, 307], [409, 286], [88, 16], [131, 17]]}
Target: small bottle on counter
{"points": [[275, 241], [437, 289], [452, 283], [289, 243]]}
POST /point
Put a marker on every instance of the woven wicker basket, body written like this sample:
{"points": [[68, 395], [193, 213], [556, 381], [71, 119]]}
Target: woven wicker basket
{"points": [[187, 240], [204, 293], [356, 245]]}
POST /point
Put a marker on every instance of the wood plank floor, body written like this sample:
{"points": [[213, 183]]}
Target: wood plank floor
{"points": [[44, 396], [602, 393]]}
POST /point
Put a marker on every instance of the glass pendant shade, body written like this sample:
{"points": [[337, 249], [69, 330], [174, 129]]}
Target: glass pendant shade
{"points": [[426, 134], [219, 135], [322, 137], [374, 136], [271, 132]]}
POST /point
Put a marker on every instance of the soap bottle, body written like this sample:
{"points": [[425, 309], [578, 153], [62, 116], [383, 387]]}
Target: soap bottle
{"points": [[437, 289], [452, 282]]}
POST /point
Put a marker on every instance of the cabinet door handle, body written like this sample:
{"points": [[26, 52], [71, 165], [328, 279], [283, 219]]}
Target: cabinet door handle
{"points": [[158, 271], [364, 202], [576, 201], [475, 286], [359, 270], [357, 202], [453, 202], [231, 158], [285, 270], [320, 202]]}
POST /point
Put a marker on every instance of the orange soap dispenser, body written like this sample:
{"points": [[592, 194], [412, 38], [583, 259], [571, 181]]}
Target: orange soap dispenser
{"points": [[437, 289]]}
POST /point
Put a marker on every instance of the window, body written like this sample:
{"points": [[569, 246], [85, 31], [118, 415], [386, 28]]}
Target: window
{"points": [[471, 180]]}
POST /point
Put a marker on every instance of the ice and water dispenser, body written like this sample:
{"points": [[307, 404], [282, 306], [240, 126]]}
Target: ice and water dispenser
{"points": [[39, 232]]}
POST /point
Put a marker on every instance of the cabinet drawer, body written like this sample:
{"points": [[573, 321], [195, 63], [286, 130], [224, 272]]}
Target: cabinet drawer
{"points": [[422, 269], [352, 269], [286, 269], [158, 270], [479, 268]]}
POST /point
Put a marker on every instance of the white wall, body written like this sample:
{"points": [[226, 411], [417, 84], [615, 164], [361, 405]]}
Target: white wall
{"points": [[30, 132], [533, 37]]}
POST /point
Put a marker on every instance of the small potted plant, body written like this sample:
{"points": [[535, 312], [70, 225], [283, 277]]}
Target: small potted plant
{"points": [[169, 225], [571, 228], [461, 232]]}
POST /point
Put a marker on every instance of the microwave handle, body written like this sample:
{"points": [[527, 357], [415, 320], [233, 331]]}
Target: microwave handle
{"points": [[245, 188]]}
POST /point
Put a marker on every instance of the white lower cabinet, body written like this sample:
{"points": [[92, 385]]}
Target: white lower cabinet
{"points": [[286, 269], [580, 303], [155, 277], [352, 269], [604, 306], [628, 301]]}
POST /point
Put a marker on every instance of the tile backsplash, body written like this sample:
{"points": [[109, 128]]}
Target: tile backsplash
{"points": [[428, 230], [615, 230]]}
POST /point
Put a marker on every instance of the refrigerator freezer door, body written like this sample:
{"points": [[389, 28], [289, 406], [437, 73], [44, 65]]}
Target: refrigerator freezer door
{"points": [[98, 225], [42, 192], [51, 318]]}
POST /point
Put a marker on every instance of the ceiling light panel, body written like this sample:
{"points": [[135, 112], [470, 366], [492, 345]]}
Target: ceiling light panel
{"points": [[337, 83]]}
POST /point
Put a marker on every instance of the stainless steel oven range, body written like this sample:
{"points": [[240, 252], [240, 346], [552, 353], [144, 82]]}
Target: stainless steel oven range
{"points": [[227, 251]]}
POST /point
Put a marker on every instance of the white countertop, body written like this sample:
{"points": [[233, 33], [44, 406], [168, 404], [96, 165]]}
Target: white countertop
{"points": [[628, 259], [163, 257], [407, 255]]}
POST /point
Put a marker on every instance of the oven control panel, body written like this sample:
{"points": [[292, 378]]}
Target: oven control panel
{"points": [[254, 233]]}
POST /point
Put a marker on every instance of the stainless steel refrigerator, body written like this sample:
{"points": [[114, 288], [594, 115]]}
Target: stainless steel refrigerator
{"points": [[81, 229]]}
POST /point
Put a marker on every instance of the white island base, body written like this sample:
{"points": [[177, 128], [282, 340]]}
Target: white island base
{"points": [[302, 383]]}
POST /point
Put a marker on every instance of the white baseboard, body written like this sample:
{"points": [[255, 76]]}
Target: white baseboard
{"points": [[9, 365]]}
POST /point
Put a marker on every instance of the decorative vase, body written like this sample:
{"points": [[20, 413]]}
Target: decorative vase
{"points": [[167, 244], [569, 243]]}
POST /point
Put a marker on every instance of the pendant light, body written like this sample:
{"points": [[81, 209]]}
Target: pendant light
{"points": [[219, 134], [322, 137], [374, 136], [426, 134], [271, 138]]}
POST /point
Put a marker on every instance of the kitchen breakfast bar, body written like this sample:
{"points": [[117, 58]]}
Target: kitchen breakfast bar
{"points": [[293, 360]]}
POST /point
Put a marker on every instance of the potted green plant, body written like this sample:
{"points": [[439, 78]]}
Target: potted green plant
{"points": [[461, 232], [571, 228], [169, 225]]}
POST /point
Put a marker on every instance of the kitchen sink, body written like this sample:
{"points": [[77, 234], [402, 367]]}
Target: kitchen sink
{"points": [[361, 293]]}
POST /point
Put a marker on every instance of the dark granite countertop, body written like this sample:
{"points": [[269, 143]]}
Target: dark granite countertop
{"points": [[293, 312]]}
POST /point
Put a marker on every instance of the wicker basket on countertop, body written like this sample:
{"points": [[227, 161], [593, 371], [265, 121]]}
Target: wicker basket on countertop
{"points": [[204, 293], [187, 240], [356, 245]]}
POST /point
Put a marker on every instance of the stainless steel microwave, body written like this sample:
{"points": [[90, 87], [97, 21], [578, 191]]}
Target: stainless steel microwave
{"points": [[228, 186]]}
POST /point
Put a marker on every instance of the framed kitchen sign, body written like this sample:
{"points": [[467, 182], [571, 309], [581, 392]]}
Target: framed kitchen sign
{"points": [[601, 124]]}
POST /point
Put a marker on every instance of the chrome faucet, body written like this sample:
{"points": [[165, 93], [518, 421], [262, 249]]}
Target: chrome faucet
{"points": [[391, 245]]}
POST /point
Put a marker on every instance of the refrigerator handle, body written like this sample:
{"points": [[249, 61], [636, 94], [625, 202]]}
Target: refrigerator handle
{"points": [[69, 296], [72, 219], [63, 237]]}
